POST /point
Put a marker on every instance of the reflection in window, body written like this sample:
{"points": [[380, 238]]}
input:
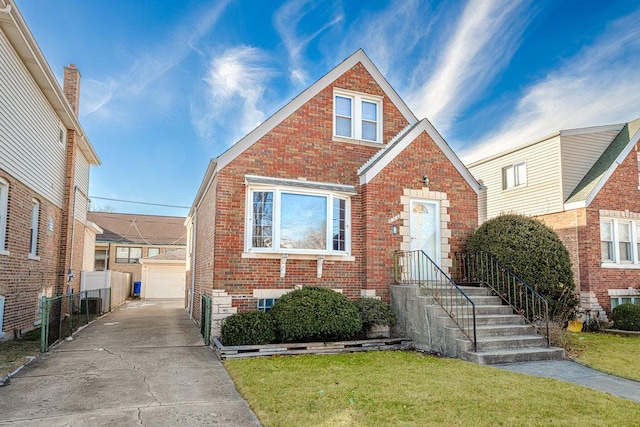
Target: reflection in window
{"points": [[284, 220]]}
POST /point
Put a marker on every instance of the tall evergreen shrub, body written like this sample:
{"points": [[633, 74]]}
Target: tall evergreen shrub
{"points": [[535, 253]]}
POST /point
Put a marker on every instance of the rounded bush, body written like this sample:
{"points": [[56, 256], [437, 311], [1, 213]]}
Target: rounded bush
{"points": [[315, 314], [252, 328], [626, 317], [535, 253], [374, 313]]}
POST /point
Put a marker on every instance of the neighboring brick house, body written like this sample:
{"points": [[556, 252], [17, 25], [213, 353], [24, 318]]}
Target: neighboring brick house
{"points": [[127, 238], [322, 193], [45, 158], [585, 184]]}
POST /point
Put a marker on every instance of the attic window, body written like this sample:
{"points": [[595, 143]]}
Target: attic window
{"points": [[357, 116]]}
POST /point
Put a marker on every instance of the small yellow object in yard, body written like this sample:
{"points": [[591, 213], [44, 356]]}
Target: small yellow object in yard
{"points": [[574, 326]]}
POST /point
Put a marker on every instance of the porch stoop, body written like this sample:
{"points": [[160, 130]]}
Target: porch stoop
{"points": [[502, 336]]}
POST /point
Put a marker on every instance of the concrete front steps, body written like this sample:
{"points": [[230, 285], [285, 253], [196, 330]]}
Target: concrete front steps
{"points": [[502, 337]]}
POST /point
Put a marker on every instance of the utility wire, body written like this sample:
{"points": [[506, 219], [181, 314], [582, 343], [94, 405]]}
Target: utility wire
{"points": [[139, 203]]}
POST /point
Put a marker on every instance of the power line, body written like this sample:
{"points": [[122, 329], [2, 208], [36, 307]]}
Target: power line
{"points": [[139, 203]]}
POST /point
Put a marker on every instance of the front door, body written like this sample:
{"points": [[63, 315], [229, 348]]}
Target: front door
{"points": [[424, 230]]}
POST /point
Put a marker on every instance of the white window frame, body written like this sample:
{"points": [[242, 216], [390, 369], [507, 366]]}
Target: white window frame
{"points": [[129, 258], [276, 220], [149, 250], [35, 218], [634, 236], [4, 209], [513, 171], [356, 114]]}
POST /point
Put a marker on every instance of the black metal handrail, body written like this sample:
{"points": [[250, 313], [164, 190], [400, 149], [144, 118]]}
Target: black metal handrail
{"points": [[415, 267], [483, 268]]}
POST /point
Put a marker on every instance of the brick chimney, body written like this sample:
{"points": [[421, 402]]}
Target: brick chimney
{"points": [[71, 87]]}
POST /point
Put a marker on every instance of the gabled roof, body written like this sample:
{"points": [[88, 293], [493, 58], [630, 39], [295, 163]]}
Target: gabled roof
{"points": [[603, 168], [139, 229], [358, 57], [401, 141], [20, 37]]}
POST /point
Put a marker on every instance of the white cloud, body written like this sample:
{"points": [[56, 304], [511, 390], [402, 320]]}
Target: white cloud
{"points": [[287, 20], [599, 85], [483, 41], [152, 64], [236, 83]]}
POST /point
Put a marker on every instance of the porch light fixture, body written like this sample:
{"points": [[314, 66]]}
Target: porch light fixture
{"points": [[425, 179], [394, 229]]}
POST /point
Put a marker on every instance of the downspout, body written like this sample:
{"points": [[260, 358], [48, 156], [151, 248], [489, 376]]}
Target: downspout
{"points": [[193, 261], [73, 229]]}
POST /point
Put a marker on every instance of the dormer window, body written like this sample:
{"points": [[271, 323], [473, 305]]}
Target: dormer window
{"points": [[357, 116]]}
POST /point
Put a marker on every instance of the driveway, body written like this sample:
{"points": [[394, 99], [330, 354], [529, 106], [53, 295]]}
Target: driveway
{"points": [[143, 364]]}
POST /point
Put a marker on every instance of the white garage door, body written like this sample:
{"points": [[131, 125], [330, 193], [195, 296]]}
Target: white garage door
{"points": [[164, 282]]}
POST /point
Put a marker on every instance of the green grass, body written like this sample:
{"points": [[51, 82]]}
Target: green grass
{"points": [[15, 353], [411, 389], [610, 353]]}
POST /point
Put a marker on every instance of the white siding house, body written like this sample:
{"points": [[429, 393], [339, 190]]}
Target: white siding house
{"points": [[45, 158]]}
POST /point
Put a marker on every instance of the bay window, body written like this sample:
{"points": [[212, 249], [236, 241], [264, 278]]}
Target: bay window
{"points": [[295, 220]]}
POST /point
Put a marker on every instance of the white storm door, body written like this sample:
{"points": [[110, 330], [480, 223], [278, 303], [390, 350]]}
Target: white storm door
{"points": [[424, 231]]}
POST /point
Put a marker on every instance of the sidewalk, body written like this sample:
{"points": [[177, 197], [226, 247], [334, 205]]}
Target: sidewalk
{"points": [[143, 364], [578, 374]]}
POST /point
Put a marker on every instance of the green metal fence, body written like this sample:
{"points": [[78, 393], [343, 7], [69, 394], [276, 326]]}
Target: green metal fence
{"points": [[62, 315], [205, 318]]}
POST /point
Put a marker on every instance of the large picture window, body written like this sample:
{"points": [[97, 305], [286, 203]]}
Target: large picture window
{"points": [[357, 116], [284, 221]]}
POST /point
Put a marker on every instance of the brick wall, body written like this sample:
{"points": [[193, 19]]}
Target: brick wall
{"points": [[22, 279], [566, 225]]}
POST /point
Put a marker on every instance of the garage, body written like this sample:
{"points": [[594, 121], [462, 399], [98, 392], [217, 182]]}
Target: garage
{"points": [[163, 276]]}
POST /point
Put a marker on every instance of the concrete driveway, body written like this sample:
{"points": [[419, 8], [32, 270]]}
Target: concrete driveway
{"points": [[143, 364]]}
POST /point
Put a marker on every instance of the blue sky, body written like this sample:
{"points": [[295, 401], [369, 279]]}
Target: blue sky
{"points": [[167, 85]]}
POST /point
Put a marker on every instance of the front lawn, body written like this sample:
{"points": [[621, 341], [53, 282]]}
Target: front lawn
{"points": [[409, 388], [613, 354]]}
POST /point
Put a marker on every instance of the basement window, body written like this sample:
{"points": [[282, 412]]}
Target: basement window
{"points": [[265, 304]]}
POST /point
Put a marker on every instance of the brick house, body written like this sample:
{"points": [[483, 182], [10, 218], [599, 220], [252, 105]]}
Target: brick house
{"points": [[322, 193], [585, 184], [126, 239], [45, 158]]}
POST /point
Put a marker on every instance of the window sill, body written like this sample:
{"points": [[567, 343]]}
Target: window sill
{"points": [[263, 255], [612, 265], [5, 253], [33, 257], [357, 142]]}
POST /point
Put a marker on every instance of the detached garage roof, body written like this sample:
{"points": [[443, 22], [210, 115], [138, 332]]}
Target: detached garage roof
{"points": [[139, 229], [177, 256]]}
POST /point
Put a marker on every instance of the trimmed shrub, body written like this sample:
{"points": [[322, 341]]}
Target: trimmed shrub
{"points": [[252, 328], [315, 314], [626, 317], [535, 253], [374, 313]]}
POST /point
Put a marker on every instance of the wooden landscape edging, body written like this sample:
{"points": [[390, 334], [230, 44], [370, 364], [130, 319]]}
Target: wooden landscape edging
{"points": [[240, 351]]}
